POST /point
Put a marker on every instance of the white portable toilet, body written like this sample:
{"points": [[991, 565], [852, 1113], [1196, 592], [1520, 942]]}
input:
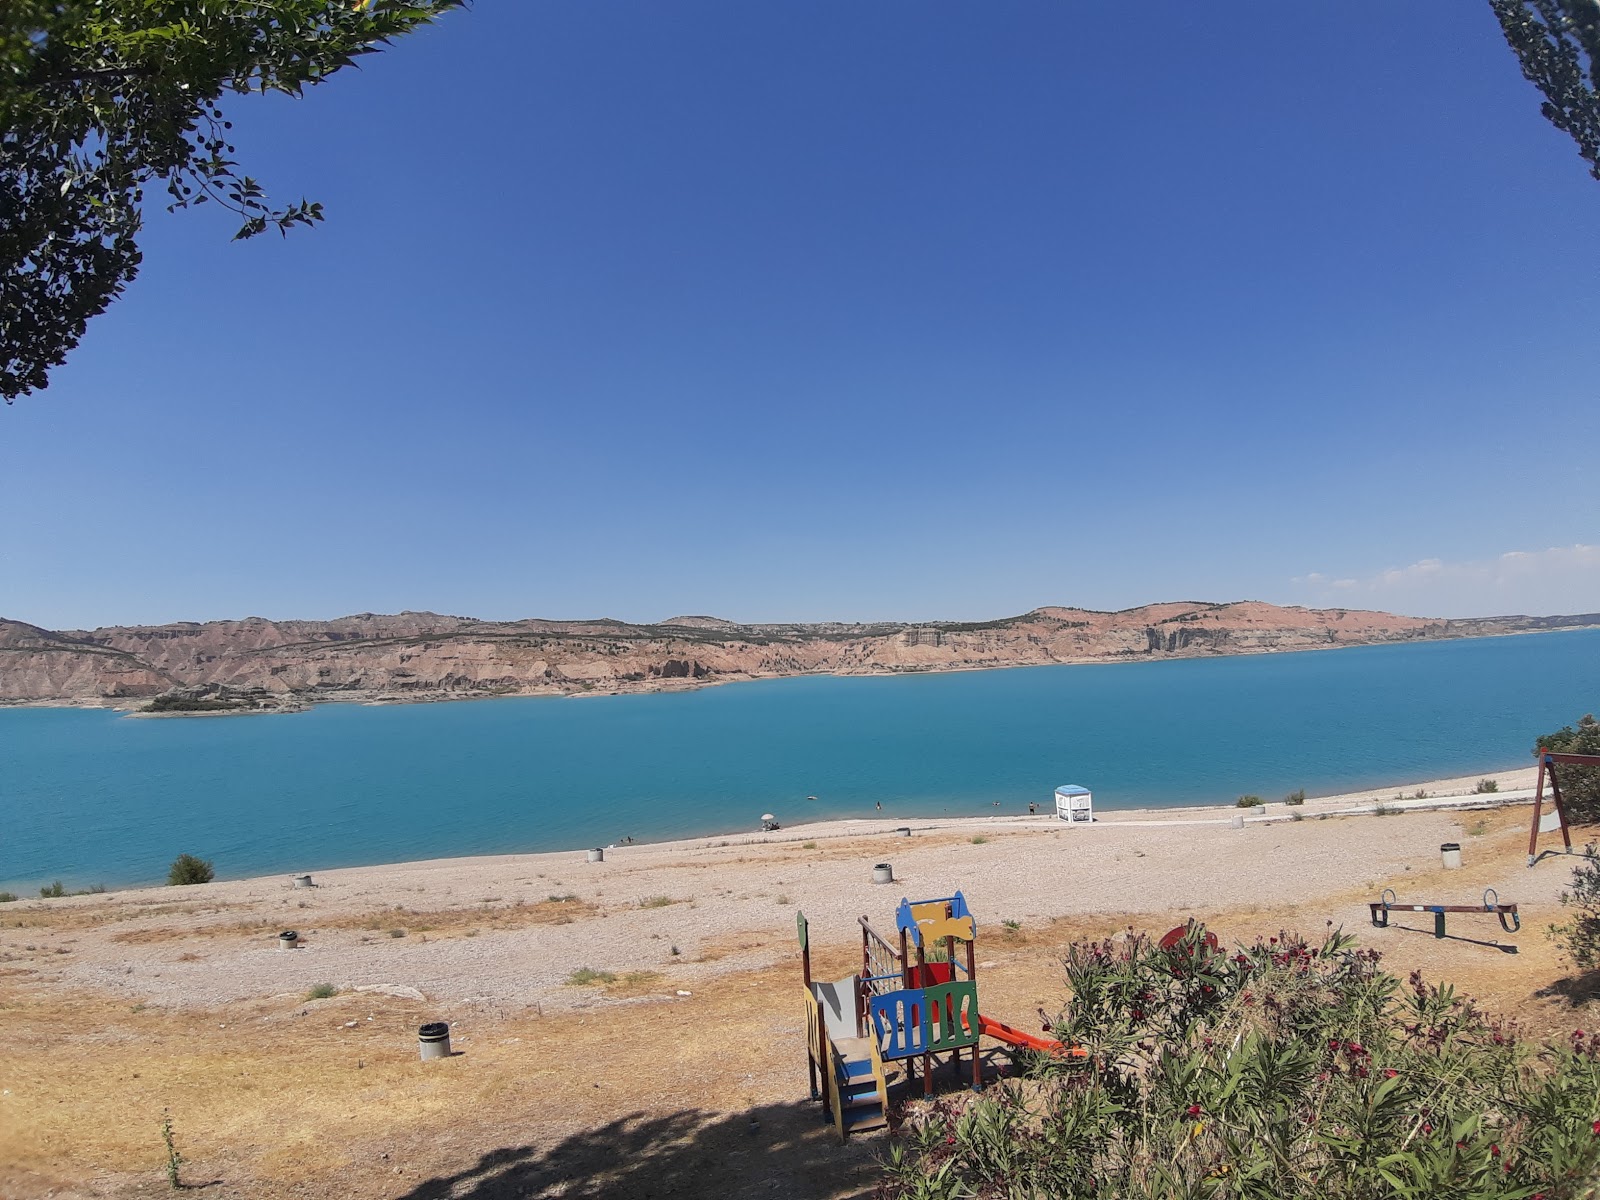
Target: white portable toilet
{"points": [[1074, 804]]}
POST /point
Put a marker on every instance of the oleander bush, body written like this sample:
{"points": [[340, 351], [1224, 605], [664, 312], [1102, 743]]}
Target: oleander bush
{"points": [[1579, 935], [1298, 796], [1280, 1070], [1248, 802]]}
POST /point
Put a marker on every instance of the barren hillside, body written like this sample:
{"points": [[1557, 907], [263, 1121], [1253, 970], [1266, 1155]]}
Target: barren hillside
{"points": [[262, 663]]}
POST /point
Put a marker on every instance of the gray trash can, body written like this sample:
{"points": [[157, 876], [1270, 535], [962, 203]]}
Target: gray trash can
{"points": [[433, 1040]]}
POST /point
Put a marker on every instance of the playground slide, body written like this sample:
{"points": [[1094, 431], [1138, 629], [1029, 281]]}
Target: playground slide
{"points": [[1012, 1036]]}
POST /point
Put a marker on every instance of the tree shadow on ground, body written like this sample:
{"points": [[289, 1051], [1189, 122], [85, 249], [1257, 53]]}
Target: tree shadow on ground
{"points": [[782, 1151], [1576, 990]]}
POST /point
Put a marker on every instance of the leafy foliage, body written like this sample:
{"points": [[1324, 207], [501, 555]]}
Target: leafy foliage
{"points": [[1248, 802], [187, 869], [1558, 44], [99, 98], [1579, 935], [1282, 1070], [1580, 786]]}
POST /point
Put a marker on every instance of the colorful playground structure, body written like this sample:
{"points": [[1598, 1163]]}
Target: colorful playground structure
{"points": [[899, 1010]]}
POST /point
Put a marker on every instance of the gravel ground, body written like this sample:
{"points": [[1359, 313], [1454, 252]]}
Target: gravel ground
{"points": [[480, 929]]}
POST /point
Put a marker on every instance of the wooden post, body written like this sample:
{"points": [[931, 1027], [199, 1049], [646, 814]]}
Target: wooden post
{"points": [[905, 962], [1538, 805], [805, 977], [1561, 808]]}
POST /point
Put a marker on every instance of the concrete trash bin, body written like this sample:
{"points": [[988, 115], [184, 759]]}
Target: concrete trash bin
{"points": [[288, 939], [882, 873], [433, 1040], [598, 854], [1450, 854]]}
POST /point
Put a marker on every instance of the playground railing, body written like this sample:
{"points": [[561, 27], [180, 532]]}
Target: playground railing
{"points": [[900, 1023], [882, 968]]}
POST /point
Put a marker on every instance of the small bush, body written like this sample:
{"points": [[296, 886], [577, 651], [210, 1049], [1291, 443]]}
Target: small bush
{"points": [[1279, 1069], [979, 840], [1296, 797], [1486, 786], [397, 933], [186, 869], [564, 898], [1381, 809], [1012, 926], [7, 897], [808, 846], [1478, 828], [53, 891], [655, 901], [782, 899], [676, 952], [584, 976], [1248, 802], [1579, 936], [1297, 816], [322, 991]]}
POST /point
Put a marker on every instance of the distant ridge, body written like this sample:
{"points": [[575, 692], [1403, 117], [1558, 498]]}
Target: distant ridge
{"points": [[261, 663]]}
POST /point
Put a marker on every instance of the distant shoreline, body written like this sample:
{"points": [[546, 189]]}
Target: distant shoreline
{"points": [[301, 702]]}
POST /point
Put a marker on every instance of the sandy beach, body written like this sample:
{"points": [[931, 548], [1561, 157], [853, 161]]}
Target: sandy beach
{"points": [[509, 930], [658, 985]]}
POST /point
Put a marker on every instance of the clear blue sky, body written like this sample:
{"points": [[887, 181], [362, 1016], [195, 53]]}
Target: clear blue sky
{"points": [[811, 311]]}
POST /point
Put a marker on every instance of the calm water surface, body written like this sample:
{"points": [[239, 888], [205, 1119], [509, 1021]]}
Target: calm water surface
{"points": [[93, 797]]}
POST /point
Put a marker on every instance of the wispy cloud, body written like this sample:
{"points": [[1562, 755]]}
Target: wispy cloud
{"points": [[1559, 579]]}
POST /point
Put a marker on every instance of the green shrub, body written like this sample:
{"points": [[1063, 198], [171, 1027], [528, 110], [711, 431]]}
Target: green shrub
{"points": [[1296, 797], [656, 901], [979, 840], [322, 991], [1384, 809], [1486, 786], [187, 869], [1248, 802], [1580, 786], [1579, 935], [1282, 1070], [7, 897], [584, 976], [53, 890]]}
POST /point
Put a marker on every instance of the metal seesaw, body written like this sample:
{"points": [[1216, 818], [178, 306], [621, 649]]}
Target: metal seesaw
{"points": [[1491, 904]]}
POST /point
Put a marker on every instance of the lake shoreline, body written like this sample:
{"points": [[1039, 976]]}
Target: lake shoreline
{"points": [[1453, 793]]}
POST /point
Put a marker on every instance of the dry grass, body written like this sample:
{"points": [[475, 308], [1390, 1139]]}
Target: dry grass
{"points": [[284, 1097], [437, 921]]}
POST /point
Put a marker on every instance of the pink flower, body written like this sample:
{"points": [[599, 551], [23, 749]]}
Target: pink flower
{"points": [[1193, 1110], [1494, 1149]]}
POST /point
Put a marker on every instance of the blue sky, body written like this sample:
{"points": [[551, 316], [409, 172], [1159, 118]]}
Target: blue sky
{"points": [[840, 311]]}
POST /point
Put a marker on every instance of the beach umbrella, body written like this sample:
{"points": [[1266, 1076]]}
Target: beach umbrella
{"points": [[768, 817]]}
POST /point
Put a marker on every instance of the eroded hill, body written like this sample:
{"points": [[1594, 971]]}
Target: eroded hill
{"points": [[263, 663]]}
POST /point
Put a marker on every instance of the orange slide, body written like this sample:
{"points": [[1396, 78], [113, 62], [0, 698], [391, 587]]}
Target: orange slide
{"points": [[1012, 1036]]}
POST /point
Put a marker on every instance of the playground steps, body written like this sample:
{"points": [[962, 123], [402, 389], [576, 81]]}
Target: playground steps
{"points": [[858, 1097]]}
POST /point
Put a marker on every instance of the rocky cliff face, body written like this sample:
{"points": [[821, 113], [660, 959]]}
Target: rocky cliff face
{"points": [[428, 656]]}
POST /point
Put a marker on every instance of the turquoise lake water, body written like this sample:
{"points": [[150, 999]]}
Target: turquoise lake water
{"points": [[91, 797]]}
